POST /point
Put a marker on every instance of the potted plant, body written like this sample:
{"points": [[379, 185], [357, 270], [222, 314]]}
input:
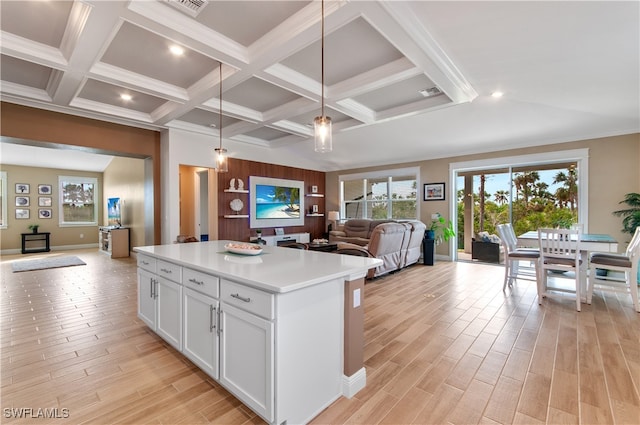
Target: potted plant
{"points": [[34, 227], [440, 230]]}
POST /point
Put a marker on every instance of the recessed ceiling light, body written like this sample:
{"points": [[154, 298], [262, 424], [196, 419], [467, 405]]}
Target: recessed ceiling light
{"points": [[497, 94], [176, 50], [125, 97]]}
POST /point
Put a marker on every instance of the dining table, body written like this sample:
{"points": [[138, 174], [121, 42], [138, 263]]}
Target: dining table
{"points": [[592, 242]]}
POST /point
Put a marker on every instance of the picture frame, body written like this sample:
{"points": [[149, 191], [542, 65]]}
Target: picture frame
{"points": [[314, 189], [45, 213], [314, 209], [44, 189], [44, 201], [279, 231], [22, 213], [434, 192], [22, 201], [23, 188]]}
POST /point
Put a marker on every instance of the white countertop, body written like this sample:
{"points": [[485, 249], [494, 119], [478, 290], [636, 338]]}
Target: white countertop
{"points": [[276, 269]]}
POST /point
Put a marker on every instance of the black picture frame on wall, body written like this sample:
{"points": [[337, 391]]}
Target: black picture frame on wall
{"points": [[434, 192]]}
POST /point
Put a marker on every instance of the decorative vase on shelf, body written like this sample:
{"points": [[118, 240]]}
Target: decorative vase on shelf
{"points": [[236, 205], [240, 185], [232, 184]]}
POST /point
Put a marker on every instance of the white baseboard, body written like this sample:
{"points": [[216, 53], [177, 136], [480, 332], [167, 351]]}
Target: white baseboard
{"points": [[354, 383]]}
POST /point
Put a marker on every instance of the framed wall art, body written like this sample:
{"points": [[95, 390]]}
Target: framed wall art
{"points": [[44, 201], [434, 192], [22, 201], [22, 213], [44, 213], [44, 189], [22, 188]]}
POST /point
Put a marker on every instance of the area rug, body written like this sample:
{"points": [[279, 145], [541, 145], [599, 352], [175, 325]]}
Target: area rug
{"points": [[46, 263]]}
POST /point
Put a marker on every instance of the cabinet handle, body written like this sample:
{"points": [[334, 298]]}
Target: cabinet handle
{"points": [[219, 316], [212, 310], [197, 282], [144, 262], [241, 298], [166, 271], [151, 288]]}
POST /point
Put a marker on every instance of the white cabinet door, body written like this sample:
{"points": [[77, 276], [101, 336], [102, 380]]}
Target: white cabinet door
{"points": [[147, 298], [169, 318], [201, 331], [246, 358]]}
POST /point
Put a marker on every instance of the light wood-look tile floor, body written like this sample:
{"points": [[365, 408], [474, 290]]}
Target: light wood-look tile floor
{"points": [[444, 344]]}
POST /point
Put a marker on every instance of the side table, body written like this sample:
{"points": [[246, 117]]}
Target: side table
{"points": [[37, 239]]}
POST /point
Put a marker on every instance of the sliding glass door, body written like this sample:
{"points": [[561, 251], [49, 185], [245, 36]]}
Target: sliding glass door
{"points": [[528, 196]]}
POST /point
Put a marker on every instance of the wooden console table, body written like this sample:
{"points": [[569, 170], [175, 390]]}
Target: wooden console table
{"points": [[39, 238]]}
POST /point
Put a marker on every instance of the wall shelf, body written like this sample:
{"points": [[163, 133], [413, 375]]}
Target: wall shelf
{"points": [[236, 216], [315, 215], [315, 195], [236, 191]]}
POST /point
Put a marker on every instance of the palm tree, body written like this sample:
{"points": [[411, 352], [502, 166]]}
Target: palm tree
{"points": [[570, 184], [631, 215], [501, 196]]}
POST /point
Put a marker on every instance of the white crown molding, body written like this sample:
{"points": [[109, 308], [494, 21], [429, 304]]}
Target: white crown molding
{"points": [[356, 110], [176, 21], [115, 75], [110, 110], [455, 84], [21, 48], [13, 89], [75, 25]]}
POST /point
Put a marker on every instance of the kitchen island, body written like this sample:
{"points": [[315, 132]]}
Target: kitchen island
{"points": [[282, 330]]}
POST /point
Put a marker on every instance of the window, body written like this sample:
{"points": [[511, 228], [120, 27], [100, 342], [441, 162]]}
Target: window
{"points": [[78, 201], [3, 199], [380, 195]]}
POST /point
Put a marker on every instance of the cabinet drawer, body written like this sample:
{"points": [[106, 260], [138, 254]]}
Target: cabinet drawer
{"points": [[201, 282], [169, 270], [249, 299], [147, 263]]}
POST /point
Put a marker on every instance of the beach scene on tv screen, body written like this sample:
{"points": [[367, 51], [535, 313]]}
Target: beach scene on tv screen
{"points": [[277, 202]]}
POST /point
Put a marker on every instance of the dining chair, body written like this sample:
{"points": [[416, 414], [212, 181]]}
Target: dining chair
{"points": [[513, 255], [559, 254], [626, 263]]}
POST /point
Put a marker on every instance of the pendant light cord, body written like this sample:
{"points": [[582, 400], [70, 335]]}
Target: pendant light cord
{"points": [[322, 54], [220, 108]]}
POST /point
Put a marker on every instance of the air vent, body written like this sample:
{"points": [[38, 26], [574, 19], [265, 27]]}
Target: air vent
{"points": [[429, 92], [190, 7]]}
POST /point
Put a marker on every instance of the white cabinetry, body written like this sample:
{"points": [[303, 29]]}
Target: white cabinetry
{"points": [[284, 239], [159, 299], [246, 359], [279, 353], [146, 297], [201, 320]]}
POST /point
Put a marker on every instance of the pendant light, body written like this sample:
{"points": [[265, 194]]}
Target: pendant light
{"points": [[322, 124], [222, 163]]}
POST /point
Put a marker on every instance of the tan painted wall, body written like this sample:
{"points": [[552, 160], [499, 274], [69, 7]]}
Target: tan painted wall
{"points": [[124, 179], [614, 170], [60, 236]]}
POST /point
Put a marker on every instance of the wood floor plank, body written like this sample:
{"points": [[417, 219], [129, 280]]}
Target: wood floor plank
{"points": [[443, 344]]}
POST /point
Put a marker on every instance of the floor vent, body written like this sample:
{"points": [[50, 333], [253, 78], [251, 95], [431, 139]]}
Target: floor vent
{"points": [[190, 7]]}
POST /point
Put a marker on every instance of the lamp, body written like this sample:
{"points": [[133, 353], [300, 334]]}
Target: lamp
{"points": [[333, 217], [222, 165], [322, 124]]}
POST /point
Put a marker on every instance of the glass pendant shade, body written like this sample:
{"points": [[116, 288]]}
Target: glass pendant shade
{"points": [[222, 163], [322, 134]]}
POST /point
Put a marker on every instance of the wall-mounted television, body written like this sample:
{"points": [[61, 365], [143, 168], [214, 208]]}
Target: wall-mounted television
{"points": [[275, 202]]}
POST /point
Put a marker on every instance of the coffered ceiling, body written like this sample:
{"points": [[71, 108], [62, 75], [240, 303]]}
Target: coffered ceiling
{"points": [[568, 70]]}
